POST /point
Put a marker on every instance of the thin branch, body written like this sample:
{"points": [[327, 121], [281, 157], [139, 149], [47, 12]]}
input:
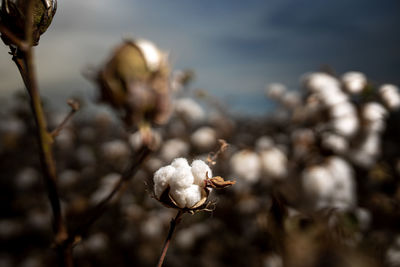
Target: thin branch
{"points": [[22, 45], [173, 224], [102, 206], [74, 108]]}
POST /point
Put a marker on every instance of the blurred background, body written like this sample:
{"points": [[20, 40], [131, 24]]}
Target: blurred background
{"points": [[234, 47], [305, 93]]}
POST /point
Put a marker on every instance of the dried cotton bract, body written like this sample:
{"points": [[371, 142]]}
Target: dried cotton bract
{"points": [[181, 186]]}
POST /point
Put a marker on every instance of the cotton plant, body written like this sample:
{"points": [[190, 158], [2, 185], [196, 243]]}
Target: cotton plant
{"points": [[186, 188]]}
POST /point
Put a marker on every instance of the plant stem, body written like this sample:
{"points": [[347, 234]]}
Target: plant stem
{"points": [[25, 63], [173, 224]]}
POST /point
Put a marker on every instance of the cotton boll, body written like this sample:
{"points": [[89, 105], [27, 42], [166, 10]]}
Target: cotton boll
{"points": [[193, 195], [264, 142], [115, 150], [200, 171], [204, 138], [354, 82], [27, 178], [173, 148], [374, 114], [189, 110], [162, 178], [135, 140], [373, 111], [346, 126], [97, 242], [317, 183], [85, 155], [335, 142], [390, 95], [246, 164], [317, 81], [367, 152], [274, 163], [275, 90], [343, 109], [332, 96]]}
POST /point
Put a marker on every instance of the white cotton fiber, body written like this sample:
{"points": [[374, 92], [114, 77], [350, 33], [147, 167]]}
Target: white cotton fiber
{"points": [[200, 170], [193, 195], [162, 178]]}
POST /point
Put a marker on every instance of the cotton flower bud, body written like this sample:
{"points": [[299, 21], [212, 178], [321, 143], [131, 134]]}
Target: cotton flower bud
{"points": [[354, 82], [185, 187], [135, 82], [390, 96], [204, 138], [13, 16], [246, 164]]}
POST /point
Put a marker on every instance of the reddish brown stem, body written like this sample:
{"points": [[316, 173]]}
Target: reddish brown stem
{"points": [[173, 224]]}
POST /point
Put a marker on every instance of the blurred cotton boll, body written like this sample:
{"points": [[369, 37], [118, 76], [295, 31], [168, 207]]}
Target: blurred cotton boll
{"points": [[374, 114], [335, 142], [274, 163], [291, 99], [115, 152], [390, 96], [354, 82], [367, 151], [346, 126], [173, 148], [318, 81], [318, 185], [264, 142], [27, 178], [246, 164], [275, 91], [204, 138], [343, 109], [189, 110], [344, 195]]}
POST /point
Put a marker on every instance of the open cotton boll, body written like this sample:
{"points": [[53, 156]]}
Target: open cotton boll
{"points": [[173, 148], [200, 171], [275, 90], [204, 138], [274, 163], [335, 142], [374, 114], [291, 99], [162, 178], [346, 126], [390, 96], [354, 82], [317, 81], [189, 110], [367, 152], [317, 183], [332, 96], [115, 150], [246, 164], [180, 163], [264, 142], [342, 109]]}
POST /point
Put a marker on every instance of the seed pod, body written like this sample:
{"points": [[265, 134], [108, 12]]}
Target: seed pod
{"points": [[13, 16], [135, 81]]}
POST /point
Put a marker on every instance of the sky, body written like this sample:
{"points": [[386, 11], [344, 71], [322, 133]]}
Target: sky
{"points": [[235, 47]]}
